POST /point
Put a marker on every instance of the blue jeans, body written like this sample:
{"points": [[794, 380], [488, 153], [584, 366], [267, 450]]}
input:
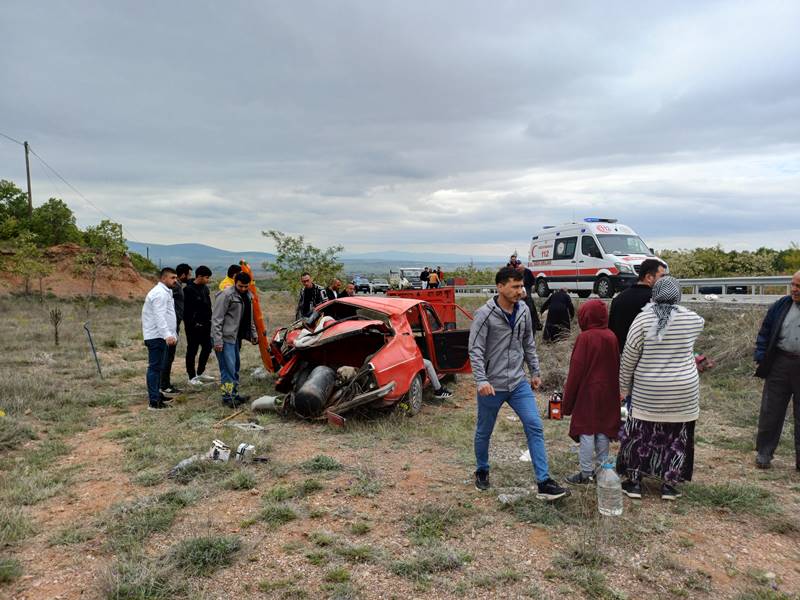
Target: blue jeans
{"points": [[156, 360], [229, 364], [523, 402]]}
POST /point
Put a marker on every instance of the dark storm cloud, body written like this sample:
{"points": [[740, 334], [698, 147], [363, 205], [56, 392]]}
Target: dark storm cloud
{"points": [[409, 125]]}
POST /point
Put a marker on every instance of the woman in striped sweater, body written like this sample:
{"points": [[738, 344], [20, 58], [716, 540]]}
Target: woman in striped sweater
{"points": [[659, 372]]}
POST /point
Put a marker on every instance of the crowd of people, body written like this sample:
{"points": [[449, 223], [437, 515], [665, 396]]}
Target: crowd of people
{"points": [[639, 354]]}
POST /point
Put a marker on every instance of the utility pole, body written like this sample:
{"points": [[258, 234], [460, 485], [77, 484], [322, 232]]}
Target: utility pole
{"points": [[28, 171]]}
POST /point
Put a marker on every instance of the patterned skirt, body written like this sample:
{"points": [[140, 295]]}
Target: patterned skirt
{"points": [[663, 450]]}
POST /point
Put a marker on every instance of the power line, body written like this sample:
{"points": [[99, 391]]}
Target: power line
{"points": [[72, 187], [8, 137]]}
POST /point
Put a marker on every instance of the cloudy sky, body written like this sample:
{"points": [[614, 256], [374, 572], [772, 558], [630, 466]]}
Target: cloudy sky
{"points": [[423, 126]]}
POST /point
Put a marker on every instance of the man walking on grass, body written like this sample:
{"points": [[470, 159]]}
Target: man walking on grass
{"points": [[500, 341], [159, 331], [778, 357], [197, 321], [231, 322]]}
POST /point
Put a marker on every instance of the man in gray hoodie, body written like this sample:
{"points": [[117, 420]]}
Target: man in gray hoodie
{"points": [[500, 341], [231, 322]]}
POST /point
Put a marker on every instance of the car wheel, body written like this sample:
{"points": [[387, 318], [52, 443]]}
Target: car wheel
{"points": [[411, 403], [603, 287], [542, 289], [584, 293]]}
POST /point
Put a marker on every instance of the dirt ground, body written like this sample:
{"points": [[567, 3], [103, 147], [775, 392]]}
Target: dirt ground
{"points": [[384, 508]]}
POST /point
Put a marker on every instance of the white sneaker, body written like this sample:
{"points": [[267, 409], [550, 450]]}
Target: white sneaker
{"points": [[205, 377], [195, 382]]}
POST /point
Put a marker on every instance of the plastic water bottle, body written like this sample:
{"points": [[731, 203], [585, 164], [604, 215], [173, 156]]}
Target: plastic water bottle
{"points": [[609, 491]]}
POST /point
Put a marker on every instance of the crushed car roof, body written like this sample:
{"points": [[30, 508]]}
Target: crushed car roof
{"points": [[389, 306]]}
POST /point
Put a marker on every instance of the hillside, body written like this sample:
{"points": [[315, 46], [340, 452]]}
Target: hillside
{"points": [[122, 282], [169, 255]]}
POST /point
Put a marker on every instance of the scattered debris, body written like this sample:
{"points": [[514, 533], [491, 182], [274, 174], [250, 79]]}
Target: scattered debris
{"points": [[228, 418], [260, 373], [525, 456], [267, 403], [245, 452], [220, 452], [512, 495], [246, 426]]}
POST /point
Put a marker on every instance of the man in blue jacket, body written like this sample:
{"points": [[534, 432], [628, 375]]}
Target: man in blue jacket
{"points": [[500, 342], [778, 357]]}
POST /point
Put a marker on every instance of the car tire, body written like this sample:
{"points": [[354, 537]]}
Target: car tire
{"points": [[584, 293], [542, 289], [603, 287], [411, 403]]}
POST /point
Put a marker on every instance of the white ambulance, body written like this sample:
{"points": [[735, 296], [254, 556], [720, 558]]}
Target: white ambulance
{"points": [[594, 255]]}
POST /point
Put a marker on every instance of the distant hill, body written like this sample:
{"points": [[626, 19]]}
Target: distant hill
{"points": [[169, 255], [368, 263]]}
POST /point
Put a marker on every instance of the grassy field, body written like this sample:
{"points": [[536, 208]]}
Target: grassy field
{"points": [[382, 509]]}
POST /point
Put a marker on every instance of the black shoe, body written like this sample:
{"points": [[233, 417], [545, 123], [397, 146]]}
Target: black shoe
{"points": [[170, 391], [482, 480], [242, 399], [668, 492], [442, 393], [763, 462], [632, 489], [157, 406], [550, 490], [579, 478], [165, 398], [231, 402]]}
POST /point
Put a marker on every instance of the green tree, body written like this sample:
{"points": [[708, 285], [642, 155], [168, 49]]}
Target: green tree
{"points": [[13, 210], [142, 263], [788, 260], [105, 247], [27, 261], [294, 256], [54, 223], [474, 275]]}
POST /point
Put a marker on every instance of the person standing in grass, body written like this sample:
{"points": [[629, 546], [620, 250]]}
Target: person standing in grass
{"points": [[500, 342], [231, 322], [228, 281], [197, 321], [591, 394], [630, 302], [184, 272], [658, 371], [560, 313], [778, 356], [159, 331]]}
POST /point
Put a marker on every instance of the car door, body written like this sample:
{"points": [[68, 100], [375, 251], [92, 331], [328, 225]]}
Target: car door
{"points": [[448, 348], [564, 255], [589, 262]]}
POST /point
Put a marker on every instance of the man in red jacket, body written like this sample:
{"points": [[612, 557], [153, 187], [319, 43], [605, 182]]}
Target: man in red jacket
{"points": [[591, 394]]}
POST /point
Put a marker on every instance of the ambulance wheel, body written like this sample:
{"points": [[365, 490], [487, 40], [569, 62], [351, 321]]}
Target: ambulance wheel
{"points": [[584, 293], [411, 403], [603, 287], [542, 290]]}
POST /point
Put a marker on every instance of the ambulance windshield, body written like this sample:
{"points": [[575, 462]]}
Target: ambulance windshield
{"points": [[622, 245]]}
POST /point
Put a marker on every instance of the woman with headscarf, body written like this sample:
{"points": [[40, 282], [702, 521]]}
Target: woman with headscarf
{"points": [[658, 370]]}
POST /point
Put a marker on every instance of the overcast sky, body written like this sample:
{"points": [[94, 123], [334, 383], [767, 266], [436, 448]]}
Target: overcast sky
{"points": [[422, 126]]}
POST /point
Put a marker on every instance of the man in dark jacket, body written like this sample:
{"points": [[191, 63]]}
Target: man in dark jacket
{"points": [[778, 356], [333, 291], [630, 302], [560, 312], [197, 321], [528, 282], [424, 277], [184, 272], [311, 295]]}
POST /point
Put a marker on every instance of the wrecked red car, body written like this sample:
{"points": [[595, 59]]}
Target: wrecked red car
{"points": [[363, 351]]}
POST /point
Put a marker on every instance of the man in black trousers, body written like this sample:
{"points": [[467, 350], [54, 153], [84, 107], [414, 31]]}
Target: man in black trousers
{"points": [[184, 272], [197, 321]]}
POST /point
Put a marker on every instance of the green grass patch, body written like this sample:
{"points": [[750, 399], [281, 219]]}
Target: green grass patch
{"points": [[431, 560], [337, 575], [15, 525], [13, 433], [356, 553], [137, 578], [203, 556], [322, 538], [149, 478], [317, 557], [275, 514], [431, 523], [10, 569], [502, 577], [73, 534], [130, 524], [735, 497], [360, 528], [366, 484], [240, 480], [320, 464]]}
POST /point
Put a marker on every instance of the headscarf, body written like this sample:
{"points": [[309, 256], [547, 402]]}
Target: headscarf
{"points": [[666, 295]]}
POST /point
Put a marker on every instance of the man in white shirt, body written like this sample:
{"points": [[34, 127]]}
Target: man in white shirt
{"points": [[159, 330]]}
